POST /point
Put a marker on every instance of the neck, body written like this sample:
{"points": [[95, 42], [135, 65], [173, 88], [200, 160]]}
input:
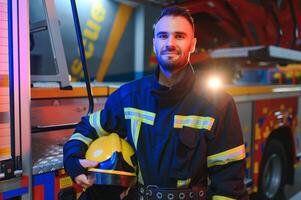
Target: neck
{"points": [[168, 78]]}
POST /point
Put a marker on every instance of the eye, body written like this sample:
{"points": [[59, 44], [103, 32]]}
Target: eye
{"points": [[179, 36], [163, 36]]}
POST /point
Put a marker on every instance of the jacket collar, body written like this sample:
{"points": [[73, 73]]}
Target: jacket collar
{"points": [[174, 93]]}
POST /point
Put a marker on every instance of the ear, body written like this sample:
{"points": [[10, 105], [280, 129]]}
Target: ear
{"points": [[193, 45], [154, 49]]}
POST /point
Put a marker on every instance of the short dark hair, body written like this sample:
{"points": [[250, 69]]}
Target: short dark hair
{"points": [[177, 11]]}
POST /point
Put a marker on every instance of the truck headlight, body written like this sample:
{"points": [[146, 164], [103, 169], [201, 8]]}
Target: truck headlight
{"points": [[214, 82]]}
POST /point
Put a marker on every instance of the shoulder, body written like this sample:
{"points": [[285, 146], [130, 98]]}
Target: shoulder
{"points": [[216, 98], [134, 87]]}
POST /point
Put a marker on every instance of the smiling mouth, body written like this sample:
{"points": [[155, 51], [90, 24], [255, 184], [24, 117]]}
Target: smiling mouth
{"points": [[170, 53], [170, 57]]}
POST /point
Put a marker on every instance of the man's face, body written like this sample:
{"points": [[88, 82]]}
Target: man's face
{"points": [[173, 42]]}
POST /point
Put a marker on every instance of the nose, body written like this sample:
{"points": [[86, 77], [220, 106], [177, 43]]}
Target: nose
{"points": [[170, 42]]}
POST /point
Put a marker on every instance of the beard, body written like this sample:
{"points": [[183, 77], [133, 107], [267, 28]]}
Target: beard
{"points": [[172, 60]]}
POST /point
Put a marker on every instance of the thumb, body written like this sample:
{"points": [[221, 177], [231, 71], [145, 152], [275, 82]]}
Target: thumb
{"points": [[88, 163]]}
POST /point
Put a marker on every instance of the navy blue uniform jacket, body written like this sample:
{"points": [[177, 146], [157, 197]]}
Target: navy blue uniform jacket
{"points": [[181, 135]]}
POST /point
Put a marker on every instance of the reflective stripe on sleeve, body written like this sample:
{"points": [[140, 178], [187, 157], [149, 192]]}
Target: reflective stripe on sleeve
{"points": [[193, 121], [218, 197], [94, 120], [231, 155], [80, 137]]}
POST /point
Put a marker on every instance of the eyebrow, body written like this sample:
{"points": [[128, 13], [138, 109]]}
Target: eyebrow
{"points": [[161, 32], [177, 32]]}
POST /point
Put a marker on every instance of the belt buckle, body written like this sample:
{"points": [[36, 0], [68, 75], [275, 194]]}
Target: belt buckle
{"points": [[149, 191]]}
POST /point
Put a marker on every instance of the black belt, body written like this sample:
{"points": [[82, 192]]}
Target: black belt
{"points": [[153, 192]]}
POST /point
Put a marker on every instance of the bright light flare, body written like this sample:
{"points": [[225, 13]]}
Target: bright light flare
{"points": [[214, 82]]}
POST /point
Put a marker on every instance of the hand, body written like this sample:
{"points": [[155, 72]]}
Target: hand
{"points": [[82, 179]]}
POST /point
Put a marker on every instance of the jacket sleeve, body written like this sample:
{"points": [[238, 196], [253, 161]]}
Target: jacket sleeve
{"points": [[226, 155], [109, 119]]}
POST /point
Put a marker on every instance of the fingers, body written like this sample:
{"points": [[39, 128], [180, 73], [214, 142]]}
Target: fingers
{"points": [[83, 181], [88, 163]]}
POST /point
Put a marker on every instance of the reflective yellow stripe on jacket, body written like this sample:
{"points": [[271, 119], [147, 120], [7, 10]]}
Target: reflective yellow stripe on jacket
{"points": [[183, 183], [94, 120], [138, 116], [193, 121], [218, 197], [80, 137], [231, 155]]}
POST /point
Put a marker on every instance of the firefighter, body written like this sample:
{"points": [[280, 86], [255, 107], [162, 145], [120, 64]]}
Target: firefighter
{"points": [[187, 139]]}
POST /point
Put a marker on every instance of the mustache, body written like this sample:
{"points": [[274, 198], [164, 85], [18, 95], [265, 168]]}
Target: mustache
{"points": [[170, 50]]}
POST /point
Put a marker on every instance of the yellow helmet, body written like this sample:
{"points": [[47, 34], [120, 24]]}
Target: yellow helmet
{"points": [[116, 158]]}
